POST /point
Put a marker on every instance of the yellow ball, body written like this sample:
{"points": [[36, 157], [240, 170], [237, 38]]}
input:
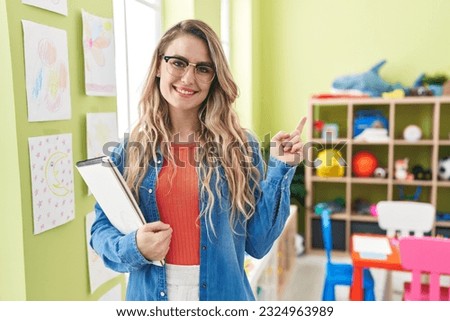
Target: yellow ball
{"points": [[330, 163]]}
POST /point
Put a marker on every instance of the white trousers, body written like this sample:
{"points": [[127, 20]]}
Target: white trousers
{"points": [[182, 282]]}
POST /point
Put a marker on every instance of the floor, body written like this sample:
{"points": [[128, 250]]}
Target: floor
{"points": [[306, 281]]}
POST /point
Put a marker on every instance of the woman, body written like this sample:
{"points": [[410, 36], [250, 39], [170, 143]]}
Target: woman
{"points": [[198, 178]]}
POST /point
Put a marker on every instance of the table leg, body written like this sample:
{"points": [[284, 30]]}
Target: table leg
{"points": [[356, 290], [387, 295]]}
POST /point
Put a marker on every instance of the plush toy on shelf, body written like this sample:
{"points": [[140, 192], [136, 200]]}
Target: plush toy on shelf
{"points": [[380, 172], [368, 82], [421, 173], [444, 168], [401, 170]]}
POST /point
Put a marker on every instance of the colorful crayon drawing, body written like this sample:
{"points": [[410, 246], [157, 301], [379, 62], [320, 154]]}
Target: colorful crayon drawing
{"points": [[47, 73], [99, 63], [101, 133]]}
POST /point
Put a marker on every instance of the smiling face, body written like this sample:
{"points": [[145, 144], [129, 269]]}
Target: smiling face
{"points": [[184, 93]]}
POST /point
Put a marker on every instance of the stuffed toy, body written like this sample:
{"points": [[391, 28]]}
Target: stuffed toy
{"points": [[369, 83]]}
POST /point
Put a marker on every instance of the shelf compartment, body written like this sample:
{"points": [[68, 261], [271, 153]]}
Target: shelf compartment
{"points": [[443, 201], [366, 227], [414, 114], [444, 124], [332, 114], [442, 231], [322, 192], [379, 151], [378, 109], [420, 155], [409, 191], [369, 194], [338, 232]]}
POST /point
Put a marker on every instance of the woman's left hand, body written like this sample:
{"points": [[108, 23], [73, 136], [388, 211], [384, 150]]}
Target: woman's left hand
{"points": [[287, 147]]}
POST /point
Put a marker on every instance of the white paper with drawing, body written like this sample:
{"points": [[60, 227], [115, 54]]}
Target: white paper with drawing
{"points": [[101, 133], [368, 244], [98, 273], [47, 72], [99, 61], [58, 6], [51, 181]]}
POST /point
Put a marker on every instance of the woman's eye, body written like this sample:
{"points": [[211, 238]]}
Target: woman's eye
{"points": [[204, 69], [179, 63]]}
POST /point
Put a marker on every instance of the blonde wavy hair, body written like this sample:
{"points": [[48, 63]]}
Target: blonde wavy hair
{"points": [[225, 142]]}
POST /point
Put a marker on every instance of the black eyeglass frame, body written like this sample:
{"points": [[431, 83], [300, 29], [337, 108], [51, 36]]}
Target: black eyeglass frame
{"points": [[202, 64]]}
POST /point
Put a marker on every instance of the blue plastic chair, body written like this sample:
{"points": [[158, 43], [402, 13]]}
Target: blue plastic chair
{"points": [[339, 273]]}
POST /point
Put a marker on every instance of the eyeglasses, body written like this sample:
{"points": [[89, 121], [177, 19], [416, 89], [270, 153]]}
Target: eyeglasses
{"points": [[177, 66]]}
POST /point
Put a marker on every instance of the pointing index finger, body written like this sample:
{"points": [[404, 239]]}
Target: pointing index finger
{"points": [[299, 129]]}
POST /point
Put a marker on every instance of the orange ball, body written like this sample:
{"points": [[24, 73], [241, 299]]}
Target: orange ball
{"points": [[364, 164]]}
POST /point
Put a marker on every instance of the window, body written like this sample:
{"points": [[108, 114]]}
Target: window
{"points": [[225, 26], [137, 26]]}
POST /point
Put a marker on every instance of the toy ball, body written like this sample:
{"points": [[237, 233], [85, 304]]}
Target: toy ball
{"points": [[329, 163], [364, 164], [444, 169], [412, 133], [380, 172]]}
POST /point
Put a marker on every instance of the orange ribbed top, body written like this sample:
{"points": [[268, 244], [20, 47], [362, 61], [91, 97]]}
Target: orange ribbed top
{"points": [[177, 197]]}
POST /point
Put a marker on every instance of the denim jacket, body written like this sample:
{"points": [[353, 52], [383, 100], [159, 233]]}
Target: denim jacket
{"points": [[222, 275]]}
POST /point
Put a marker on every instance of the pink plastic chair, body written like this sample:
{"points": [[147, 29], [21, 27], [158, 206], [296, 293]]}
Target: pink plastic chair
{"points": [[429, 255]]}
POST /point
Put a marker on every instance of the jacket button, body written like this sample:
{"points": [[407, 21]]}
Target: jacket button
{"points": [[162, 293], [158, 161], [204, 285], [204, 247], [150, 190]]}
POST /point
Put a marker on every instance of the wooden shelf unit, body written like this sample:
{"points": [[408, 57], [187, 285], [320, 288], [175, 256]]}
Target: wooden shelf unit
{"points": [[431, 114]]}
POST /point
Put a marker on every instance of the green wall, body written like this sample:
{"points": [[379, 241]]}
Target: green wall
{"points": [[177, 10], [12, 265], [55, 262], [305, 44]]}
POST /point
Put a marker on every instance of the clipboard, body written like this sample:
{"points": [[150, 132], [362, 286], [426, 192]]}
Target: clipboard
{"points": [[113, 194]]}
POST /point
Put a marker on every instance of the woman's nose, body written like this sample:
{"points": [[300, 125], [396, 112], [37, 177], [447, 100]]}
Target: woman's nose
{"points": [[189, 75]]}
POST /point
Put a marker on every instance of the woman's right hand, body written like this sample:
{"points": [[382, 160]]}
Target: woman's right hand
{"points": [[153, 240]]}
